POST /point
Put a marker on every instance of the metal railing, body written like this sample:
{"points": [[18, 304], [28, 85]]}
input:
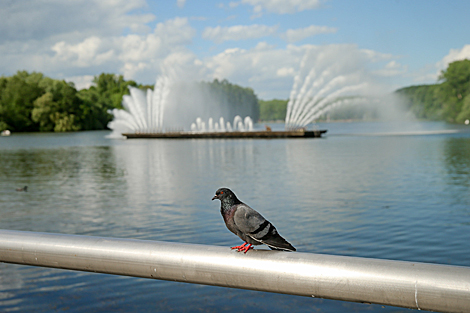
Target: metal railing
{"points": [[405, 284]]}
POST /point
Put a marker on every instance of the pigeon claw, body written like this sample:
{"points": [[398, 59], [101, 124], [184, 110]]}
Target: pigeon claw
{"points": [[243, 248], [239, 247]]}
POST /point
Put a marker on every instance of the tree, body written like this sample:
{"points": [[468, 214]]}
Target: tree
{"points": [[465, 112], [444, 101], [105, 95], [59, 109], [111, 88], [454, 88], [422, 101], [42, 112], [17, 95]]}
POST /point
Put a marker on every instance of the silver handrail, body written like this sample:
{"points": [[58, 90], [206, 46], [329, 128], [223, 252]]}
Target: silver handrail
{"points": [[414, 285]]}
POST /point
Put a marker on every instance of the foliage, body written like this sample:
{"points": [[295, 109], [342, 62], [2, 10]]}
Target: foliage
{"points": [[422, 101], [448, 100], [272, 110], [454, 89], [17, 95], [3, 126], [105, 95], [465, 112]]}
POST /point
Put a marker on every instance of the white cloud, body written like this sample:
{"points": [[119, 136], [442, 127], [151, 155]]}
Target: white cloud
{"points": [[294, 35], [454, 55], [280, 6], [393, 65], [68, 38], [375, 56], [285, 71], [424, 76], [81, 82], [392, 68], [181, 3], [239, 32], [168, 36], [84, 54], [70, 20], [136, 56], [77, 40], [233, 4], [430, 73]]}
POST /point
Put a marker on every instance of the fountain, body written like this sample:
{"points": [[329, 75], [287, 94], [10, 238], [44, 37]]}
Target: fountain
{"points": [[317, 90], [238, 125], [143, 112], [143, 117]]}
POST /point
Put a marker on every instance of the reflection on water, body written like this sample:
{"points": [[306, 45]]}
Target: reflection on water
{"points": [[393, 197], [457, 160]]}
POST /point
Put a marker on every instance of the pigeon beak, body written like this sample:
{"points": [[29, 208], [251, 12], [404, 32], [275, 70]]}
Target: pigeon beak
{"points": [[215, 197]]}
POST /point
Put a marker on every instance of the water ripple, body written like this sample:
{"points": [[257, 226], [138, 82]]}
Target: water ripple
{"points": [[400, 198]]}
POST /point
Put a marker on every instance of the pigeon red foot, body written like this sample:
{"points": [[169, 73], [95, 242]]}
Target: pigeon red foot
{"points": [[243, 248]]}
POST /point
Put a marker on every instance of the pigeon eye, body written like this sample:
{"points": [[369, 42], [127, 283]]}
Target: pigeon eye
{"points": [[221, 192]]}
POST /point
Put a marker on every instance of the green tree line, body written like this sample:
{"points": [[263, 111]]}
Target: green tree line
{"points": [[448, 100], [272, 110], [31, 102]]}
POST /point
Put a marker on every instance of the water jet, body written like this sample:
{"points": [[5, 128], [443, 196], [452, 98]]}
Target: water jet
{"points": [[318, 89], [315, 91]]}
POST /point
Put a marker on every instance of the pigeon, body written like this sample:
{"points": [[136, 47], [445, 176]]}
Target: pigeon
{"points": [[248, 224]]}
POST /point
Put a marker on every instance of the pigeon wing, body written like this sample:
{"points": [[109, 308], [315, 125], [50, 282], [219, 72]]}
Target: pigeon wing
{"points": [[254, 225]]}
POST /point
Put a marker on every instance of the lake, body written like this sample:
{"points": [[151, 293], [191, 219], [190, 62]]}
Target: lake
{"points": [[397, 191]]}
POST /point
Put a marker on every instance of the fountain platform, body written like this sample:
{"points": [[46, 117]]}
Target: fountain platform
{"points": [[229, 135]]}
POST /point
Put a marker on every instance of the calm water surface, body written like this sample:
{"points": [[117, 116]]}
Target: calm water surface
{"points": [[389, 191]]}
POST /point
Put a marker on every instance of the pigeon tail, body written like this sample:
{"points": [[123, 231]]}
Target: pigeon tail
{"points": [[274, 241], [281, 245]]}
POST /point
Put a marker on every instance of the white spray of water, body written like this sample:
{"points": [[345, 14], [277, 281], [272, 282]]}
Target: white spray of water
{"points": [[143, 111], [171, 106], [326, 79], [239, 124]]}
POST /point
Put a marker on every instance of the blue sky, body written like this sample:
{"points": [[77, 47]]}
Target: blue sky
{"points": [[256, 43]]}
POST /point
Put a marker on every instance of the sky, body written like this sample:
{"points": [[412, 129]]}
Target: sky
{"points": [[252, 43]]}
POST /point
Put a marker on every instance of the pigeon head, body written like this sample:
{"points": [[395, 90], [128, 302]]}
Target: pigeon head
{"points": [[227, 198], [224, 194]]}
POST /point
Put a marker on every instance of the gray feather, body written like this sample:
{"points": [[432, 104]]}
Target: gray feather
{"points": [[253, 225]]}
